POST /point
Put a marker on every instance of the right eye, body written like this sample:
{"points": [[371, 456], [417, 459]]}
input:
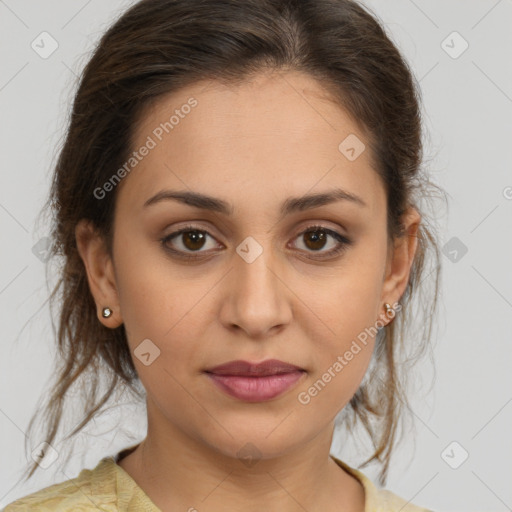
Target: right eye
{"points": [[186, 240]]}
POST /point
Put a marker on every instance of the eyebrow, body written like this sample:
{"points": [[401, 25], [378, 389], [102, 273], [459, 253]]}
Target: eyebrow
{"points": [[290, 205]]}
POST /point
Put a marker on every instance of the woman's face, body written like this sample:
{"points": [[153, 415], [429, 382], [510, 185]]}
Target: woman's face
{"points": [[251, 283]]}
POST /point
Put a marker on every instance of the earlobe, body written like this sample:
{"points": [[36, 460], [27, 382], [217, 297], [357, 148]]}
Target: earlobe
{"points": [[100, 273]]}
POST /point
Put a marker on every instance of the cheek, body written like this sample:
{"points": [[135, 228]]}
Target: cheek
{"points": [[340, 359], [157, 305], [333, 387], [349, 303], [347, 312]]}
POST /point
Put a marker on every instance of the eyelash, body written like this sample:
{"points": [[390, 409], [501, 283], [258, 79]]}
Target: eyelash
{"points": [[343, 244]]}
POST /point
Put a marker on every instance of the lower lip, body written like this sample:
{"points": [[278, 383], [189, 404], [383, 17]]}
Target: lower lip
{"points": [[255, 389]]}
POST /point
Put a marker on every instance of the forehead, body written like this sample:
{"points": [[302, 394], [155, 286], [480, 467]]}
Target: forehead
{"points": [[276, 134]]}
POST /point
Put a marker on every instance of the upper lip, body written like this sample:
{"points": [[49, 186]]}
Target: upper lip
{"points": [[268, 367]]}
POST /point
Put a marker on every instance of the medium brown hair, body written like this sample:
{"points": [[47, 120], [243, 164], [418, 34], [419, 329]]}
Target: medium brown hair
{"points": [[160, 46]]}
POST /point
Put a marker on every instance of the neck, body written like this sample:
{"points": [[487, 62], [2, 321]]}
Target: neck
{"points": [[178, 471]]}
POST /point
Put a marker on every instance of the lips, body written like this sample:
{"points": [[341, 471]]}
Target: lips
{"points": [[247, 369], [255, 382]]}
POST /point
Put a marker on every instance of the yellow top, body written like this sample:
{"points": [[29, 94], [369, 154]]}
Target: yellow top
{"points": [[109, 488]]}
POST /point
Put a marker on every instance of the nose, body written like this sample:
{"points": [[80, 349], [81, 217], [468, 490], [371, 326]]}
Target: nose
{"points": [[258, 300]]}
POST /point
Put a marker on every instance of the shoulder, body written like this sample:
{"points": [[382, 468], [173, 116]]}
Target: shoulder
{"points": [[380, 500], [89, 491], [388, 501]]}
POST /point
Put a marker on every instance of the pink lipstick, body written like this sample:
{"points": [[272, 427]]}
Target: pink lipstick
{"points": [[255, 382]]}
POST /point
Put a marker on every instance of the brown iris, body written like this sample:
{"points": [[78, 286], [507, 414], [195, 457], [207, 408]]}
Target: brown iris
{"points": [[318, 238], [193, 239]]}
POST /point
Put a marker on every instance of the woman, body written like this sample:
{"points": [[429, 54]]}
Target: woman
{"points": [[237, 207]]}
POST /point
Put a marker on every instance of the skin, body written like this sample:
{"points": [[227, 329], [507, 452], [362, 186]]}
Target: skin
{"points": [[252, 145]]}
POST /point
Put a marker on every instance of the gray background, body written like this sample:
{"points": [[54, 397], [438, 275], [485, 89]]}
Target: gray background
{"points": [[468, 114]]}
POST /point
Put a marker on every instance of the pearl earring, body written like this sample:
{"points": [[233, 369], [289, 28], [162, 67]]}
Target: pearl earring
{"points": [[389, 309], [106, 312]]}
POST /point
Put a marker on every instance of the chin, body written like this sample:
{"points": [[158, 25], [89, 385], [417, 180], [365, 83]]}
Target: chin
{"points": [[249, 446]]}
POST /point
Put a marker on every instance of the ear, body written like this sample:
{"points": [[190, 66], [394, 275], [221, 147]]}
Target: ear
{"points": [[400, 258], [100, 272]]}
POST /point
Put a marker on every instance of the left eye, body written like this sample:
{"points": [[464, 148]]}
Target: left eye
{"points": [[193, 239], [317, 236]]}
